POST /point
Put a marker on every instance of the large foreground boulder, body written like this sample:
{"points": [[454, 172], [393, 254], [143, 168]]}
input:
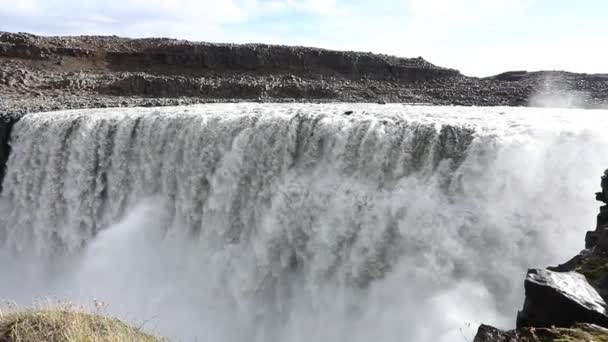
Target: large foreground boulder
{"points": [[560, 300]]}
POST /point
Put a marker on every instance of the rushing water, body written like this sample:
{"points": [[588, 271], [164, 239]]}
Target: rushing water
{"points": [[267, 222]]}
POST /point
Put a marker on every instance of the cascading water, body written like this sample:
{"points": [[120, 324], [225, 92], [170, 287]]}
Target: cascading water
{"points": [[268, 222]]}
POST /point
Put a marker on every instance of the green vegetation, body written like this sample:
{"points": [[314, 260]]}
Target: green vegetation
{"points": [[66, 325], [594, 268]]}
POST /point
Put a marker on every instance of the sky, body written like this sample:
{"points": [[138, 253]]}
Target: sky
{"points": [[477, 37]]}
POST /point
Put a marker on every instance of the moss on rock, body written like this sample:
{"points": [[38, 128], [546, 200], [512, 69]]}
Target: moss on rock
{"points": [[594, 268]]}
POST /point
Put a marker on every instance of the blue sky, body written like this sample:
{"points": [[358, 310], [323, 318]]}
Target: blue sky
{"points": [[478, 37]]}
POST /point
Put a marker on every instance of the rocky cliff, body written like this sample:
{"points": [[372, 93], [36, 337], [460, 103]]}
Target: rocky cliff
{"points": [[566, 302], [50, 73]]}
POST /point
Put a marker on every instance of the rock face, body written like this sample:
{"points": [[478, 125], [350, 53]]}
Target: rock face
{"points": [[6, 126], [560, 299], [598, 239], [170, 56]]}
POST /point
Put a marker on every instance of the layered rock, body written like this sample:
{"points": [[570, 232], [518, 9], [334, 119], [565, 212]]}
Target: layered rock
{"points": [[49, 73], [170, 56]]}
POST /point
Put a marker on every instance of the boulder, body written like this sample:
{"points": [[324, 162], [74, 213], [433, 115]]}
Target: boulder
{"points": [[487, 333], [560, 299]]}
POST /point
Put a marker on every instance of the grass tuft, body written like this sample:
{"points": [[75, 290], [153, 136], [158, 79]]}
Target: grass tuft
{"points": [[66, 324]]}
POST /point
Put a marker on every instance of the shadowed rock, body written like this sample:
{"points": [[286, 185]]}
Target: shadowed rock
{"points": [[6, 126], [487, 333], [599, 237]]}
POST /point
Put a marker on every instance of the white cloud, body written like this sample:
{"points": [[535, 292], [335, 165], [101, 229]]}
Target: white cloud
{"points": [[20, 8], [177, 18], [466, 10], [479, 37], [433, 19], [486, 37], [318, 6], [189, 19]]}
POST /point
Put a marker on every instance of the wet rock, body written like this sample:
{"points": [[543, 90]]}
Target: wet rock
{"points": [[560, 299], [6, 126]]}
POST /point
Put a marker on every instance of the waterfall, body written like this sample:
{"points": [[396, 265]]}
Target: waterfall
{"points": [[297, 222]]}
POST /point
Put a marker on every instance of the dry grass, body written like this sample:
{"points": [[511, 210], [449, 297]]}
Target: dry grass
{"points": [[578, 333], [66, 323]]}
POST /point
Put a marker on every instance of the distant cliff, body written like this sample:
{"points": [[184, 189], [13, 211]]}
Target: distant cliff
{"points": [[50, 73]]}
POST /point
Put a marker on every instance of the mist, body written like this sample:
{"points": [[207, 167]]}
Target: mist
{"points": [[558, 93], [296, 222]]}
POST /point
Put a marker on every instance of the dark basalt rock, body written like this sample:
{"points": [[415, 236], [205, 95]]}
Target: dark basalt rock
{"points": [[560, 299], [511, 76], [6, 126], [487, 333], [168, 56], [598, 239]]}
